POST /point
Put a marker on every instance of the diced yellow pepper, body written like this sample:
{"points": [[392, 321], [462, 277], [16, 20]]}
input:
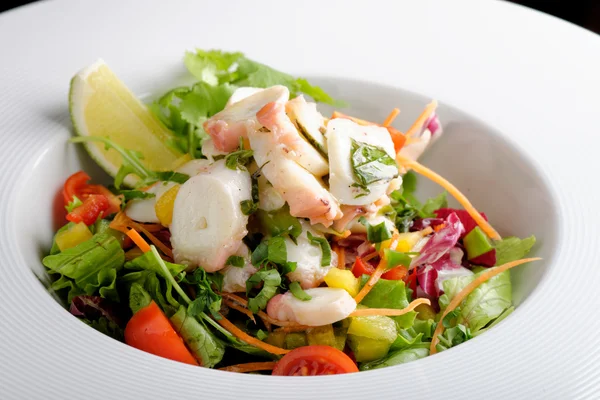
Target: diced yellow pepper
{"points": [[71, 237], [408, 240], [343, 279], [164, 206]]}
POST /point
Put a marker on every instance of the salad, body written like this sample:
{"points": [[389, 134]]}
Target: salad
{"points": [[244, 230]]}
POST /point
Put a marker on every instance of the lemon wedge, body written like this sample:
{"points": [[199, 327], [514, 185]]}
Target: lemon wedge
{"points": [[101, 105]]}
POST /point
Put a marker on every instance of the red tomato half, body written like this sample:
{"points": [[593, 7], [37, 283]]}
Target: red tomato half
{"points": [[90, 210], [76, 186], [314, 360], [150, 330], [73, 186]]}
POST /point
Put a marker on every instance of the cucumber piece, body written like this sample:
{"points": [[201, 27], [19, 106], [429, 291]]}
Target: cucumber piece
{"points": [[477, 243], [366, 349], [375, 327], [276, 339], [322, 335], [295, 339], [341, 334]]}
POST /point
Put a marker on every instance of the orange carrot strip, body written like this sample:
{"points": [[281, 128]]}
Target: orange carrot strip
{"points": [[490, 273], [240, 308], [341, 255], [372, 281], [398, 138], [264, 316], [418, 124], [138, 240], [251, 367], [370, 256], [391, 117], [252, 341], [392, 312], [461, 198], [152, 238], [120, 222], [337, 114]]}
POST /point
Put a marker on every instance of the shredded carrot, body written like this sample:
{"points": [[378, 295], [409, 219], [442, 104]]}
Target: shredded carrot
{"points": [[153, 227], [392, 312], [391, 117], [372, 281], [341, 256], [461, 198], [138, 240], [252, 341], [439, 227], [398, 138], [337, 114], [166, 250], [418, 124], [264, 316], [490, 273], [370, 256], [251, 367], [120, 222], [242, 309]]}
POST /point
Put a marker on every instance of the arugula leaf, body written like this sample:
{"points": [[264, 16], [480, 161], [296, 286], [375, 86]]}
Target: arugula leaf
{"points": [[271, 281], [92, 266], [73, 204], [376, 233], [138, 298], [298, 293], [250, 206], [161, 293], [409, 183], [370, 164], [205, 346], [325, 248], [171, 176], [135, 194], [279, 222], [147, 262], [238, 159], [236, 261], [512, 248], [206, 299]]}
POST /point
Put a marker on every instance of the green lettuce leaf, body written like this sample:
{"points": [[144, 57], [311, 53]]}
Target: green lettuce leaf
{"points": [[205, 346], [92, 267], [512, 248], [390, 294], [484, 304], [398, 357]]}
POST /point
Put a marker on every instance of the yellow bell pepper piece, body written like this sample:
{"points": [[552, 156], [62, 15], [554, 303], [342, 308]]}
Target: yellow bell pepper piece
{"points": [[408, 240], [71, 237], [343, 279], [164, 206]]}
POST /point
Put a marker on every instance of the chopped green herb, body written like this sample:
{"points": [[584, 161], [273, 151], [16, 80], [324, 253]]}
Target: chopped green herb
{"points": [[270, 280], [135, 194], [73, 204], [235, 261], [370, 164], [325, 248], [298, 293], [376, 233]]}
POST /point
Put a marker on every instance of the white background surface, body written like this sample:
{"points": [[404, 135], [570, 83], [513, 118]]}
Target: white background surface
{"points": [[532, 77]]}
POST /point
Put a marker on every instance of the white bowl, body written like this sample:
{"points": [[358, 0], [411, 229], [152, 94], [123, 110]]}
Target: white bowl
{"points": [[534, 172]]}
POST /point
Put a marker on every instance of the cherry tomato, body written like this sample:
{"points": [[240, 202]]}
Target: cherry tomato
{"points": [[76, 186], [314, 360], [90, 210], [395, 274], [360, 268], [150, 330]]}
